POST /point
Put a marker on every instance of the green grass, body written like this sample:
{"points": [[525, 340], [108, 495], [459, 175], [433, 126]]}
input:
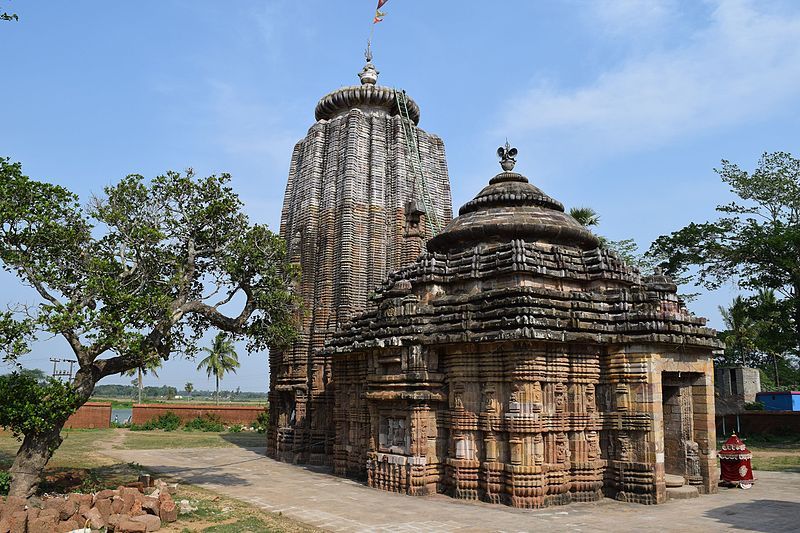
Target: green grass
{"points": [[79, 449], [773, 441], [248, 525], [150, 440], [777, 463]]}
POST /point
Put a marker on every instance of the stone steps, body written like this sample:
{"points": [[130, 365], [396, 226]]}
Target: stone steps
{"points": [[682, 493], [674, 480]]}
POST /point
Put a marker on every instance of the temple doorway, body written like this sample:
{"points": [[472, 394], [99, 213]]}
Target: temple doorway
{"points": [[681, 451]]}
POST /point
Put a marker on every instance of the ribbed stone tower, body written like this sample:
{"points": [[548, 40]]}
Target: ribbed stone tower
{"points": [[366, 189]]}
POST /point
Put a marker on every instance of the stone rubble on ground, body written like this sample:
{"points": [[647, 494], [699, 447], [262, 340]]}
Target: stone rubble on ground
{"points": [[123, 510]]}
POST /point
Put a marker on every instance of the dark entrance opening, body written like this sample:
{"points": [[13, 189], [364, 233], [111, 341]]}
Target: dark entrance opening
{"points": [[681, 451]]}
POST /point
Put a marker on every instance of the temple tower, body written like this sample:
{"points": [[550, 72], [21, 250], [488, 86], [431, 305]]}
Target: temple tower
{"points": [[367, 188]]}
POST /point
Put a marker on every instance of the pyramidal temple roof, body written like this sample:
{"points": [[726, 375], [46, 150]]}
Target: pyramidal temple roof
{"points": [[368, 95], [512, 208]]}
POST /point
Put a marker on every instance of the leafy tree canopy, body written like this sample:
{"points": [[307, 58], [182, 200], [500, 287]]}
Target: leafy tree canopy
{"points": [[756, 241], [31, 406], [140, 274]]}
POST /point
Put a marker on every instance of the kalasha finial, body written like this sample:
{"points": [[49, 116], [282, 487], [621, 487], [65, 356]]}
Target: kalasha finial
{"points": [[368, 75], [506, 155]]}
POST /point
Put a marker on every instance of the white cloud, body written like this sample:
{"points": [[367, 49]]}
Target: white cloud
{"points": [[250, 129], [745, 63], [618, 17]]}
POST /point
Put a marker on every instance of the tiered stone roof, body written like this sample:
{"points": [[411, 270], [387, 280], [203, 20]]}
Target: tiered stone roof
{"points": [[514, 265]]}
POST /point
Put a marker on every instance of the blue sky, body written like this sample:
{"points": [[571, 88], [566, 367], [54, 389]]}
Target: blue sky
{"points": [[626, 106]]}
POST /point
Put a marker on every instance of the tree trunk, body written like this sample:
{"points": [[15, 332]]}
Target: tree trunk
{"points": [[217, 390], [775, 364], [37, 448], [32, 457], [140, 385]]}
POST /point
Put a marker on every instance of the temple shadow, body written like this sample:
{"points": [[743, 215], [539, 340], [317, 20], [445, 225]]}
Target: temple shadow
{"points": [[247, 440], [216, 474], [759, 515]]}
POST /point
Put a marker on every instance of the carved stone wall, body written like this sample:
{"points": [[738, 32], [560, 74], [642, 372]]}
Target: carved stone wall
{"points": [[517, 362], [351, 214]]}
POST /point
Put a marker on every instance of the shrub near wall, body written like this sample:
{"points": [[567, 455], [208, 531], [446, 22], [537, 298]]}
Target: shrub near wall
{"points": [[228, 414]]}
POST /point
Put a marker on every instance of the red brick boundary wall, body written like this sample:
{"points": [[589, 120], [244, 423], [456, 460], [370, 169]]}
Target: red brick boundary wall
{"points": [[91, 415], [230, 414], [763, 422]]}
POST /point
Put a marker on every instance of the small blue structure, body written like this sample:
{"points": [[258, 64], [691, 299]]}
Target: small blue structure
{"points": [[779, 401]]}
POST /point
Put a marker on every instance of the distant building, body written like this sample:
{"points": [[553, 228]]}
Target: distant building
{"points": [[735, 386], [780, 401]]}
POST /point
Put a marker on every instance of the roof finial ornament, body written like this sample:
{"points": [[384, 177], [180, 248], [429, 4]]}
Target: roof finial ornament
{"points": [[368, 75], [507, 157]]}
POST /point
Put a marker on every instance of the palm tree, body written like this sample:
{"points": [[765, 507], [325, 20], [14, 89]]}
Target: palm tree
{"points": [[741, 329], [221, 359], [151, 366], [586, 216], [189, 387]]}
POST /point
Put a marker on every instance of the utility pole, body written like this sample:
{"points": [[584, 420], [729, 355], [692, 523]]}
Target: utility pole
{"points": [[57, 373]]}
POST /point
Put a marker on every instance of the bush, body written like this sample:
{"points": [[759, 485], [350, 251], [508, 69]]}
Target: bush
{"points": [[28, 406], [754, 406], [169, 421], [236, 428], [207, 422], [5, 482], [262, 422]]}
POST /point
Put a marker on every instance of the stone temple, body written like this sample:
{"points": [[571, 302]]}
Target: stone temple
{"points": [[366, 188], [511, 359]]}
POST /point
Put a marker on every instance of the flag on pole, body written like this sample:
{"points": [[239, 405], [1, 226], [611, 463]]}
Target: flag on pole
{"points": [[378, 13]]}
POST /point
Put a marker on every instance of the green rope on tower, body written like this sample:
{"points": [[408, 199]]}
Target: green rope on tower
{"points": [[415, 161]]}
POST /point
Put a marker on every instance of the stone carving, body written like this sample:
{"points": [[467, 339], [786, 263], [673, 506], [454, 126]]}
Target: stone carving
{"points": [[538, 449], [506, 155], [589, 397], [625, 447], [592, 445], [559, 398], [693, 459], [490, 401]]}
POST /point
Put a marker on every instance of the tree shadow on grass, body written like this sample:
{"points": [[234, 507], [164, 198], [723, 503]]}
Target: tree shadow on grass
{"points": [[760, 515], [6, 459]]}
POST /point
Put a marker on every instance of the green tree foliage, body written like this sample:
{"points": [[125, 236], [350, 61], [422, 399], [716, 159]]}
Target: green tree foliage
{"points": [[189, 387], [220, 360], [31, 406], [143, 272], [756, 241], [741, 333], [626, 249], [586, 216], [151, 366]]}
